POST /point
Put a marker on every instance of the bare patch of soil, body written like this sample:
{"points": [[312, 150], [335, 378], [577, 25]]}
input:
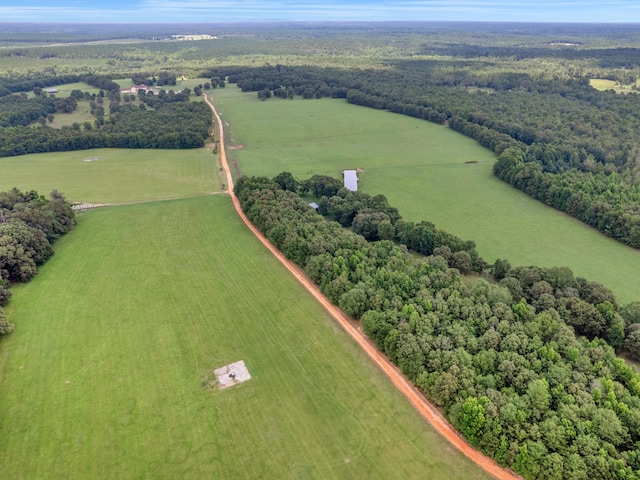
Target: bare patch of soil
{"points": [[227, 376]]}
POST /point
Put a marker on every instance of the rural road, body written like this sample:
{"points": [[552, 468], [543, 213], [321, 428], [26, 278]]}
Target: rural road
{"points": [[416, 399]]}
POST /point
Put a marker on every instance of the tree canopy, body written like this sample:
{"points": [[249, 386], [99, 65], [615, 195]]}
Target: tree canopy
{"points": [[523, 364]]}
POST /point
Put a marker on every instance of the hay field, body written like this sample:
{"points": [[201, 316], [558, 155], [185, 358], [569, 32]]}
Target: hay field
{"points": [[102, 377], [604, 84], [117, 176]]}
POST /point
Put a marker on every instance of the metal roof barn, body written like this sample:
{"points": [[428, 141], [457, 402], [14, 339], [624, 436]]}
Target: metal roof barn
{"points": [[351, 180]]}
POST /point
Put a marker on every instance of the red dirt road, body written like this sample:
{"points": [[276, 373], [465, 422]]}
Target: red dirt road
{"points": [[416, 399]]}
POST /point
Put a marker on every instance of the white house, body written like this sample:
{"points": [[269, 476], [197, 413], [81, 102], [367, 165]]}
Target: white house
{"points": [[135, 88]]}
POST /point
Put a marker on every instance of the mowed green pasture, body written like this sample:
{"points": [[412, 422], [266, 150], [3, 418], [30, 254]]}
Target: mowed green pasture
{"points": [[102, 377], [604, 84], [424, 169], [117, 176], [81, 115]]}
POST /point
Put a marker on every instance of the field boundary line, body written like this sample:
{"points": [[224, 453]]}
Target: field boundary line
{"points": [[419, 402]]}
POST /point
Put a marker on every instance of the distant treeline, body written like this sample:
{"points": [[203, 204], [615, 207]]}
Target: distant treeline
{"points": [[501, 358], [607, 58], [573, 139], [29, 225]]}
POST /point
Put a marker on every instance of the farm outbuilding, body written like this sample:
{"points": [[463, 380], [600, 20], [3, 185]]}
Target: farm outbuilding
{"points": [[351, 180]]}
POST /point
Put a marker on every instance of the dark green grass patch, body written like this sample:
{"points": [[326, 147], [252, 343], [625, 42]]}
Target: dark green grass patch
{"points": [[426, 170], [102, 377]]}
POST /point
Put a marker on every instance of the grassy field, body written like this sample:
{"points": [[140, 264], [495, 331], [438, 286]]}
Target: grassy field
{"points": [[102, 377], [424, 169], [80, 115], [117, 176], [604, 84]]}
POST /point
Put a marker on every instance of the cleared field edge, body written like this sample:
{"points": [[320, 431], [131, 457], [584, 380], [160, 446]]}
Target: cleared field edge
{"points": [[415, 398]]}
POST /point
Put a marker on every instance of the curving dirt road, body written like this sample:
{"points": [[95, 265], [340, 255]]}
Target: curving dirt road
{"points": [[417, 400]]}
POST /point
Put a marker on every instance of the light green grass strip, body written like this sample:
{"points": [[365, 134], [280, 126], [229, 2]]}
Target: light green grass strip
{"points": [[422, 169], [102, 377], [117, 176]]}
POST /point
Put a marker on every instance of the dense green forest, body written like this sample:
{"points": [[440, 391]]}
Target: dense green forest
{"points": [[523, 362], [29, 225]]}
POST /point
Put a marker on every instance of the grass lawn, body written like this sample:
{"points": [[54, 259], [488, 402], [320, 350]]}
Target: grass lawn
{"points": [[604, 84], [80, 115], [117, 176], [423, 170], [102, 376]]}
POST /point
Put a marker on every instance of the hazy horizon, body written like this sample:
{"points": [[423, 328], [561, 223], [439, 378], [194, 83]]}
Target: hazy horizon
{"points": [[246, 11]]}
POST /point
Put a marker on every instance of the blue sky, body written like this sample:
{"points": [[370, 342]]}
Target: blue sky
{"points": [[92, 11]]}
